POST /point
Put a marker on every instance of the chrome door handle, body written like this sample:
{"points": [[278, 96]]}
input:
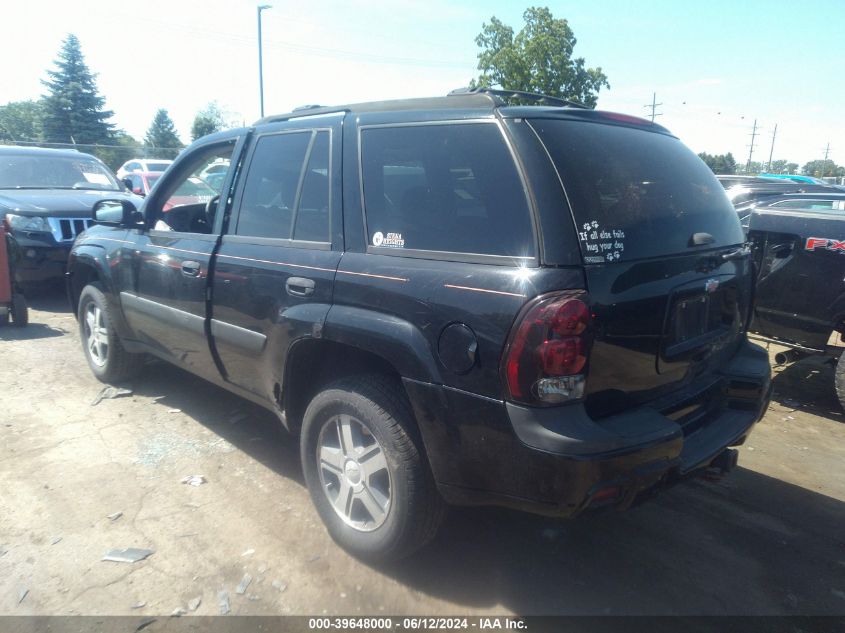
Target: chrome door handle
{"points": [[191, 268], [299, 286]]}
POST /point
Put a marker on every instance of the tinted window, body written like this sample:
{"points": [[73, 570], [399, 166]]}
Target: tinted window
{"points": [[312, 213], [444, 188], [270, 188], [634, 193], [809, 205], [154, 166]]}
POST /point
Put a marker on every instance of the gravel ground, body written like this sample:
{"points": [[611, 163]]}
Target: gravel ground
{"points": [[77, 480]]}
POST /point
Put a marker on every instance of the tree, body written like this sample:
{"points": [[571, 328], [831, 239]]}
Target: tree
{"points": [[777, 167], [819, 168], [791, 168], [161, 137], [208, 121], [21, 121], [720, 163], [538, 59], [73, 109], [123, 148]]}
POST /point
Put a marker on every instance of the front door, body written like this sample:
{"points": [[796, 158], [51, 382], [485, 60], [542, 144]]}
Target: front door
{"points": [[165, 304]]}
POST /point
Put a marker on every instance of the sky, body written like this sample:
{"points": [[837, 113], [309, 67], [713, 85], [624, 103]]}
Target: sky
{"points": [[716, 67]]}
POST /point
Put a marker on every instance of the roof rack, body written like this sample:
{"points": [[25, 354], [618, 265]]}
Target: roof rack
{"points": [[522, 94]]}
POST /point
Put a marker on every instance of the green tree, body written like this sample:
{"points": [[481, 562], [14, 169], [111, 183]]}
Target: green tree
{"points": [[208, 121], [777, 167], [162, 139], [21, 121], [719, 163], [791, 168], [123, 147], [73, 108], [819, 168], [537, 59]]}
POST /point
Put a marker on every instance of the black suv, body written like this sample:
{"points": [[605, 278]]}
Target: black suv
{"points": [[448, 300], [45, 200]]}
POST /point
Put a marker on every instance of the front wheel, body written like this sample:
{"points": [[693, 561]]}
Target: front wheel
{"points": [[839, 380], [105, 354], [366, 470]]}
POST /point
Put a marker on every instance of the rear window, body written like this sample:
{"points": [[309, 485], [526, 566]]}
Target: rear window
{"points": [[448, 188], [636, 194]]}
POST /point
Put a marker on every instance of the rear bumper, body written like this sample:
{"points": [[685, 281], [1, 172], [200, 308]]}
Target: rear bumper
{"points": [[559, 462]]}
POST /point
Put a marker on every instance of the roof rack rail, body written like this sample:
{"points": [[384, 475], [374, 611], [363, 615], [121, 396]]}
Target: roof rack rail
{"points": [[310, 106], [522, 94]]}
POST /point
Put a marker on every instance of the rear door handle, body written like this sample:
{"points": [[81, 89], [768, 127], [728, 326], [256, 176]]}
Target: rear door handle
{"points": [[299, 286], [191, 268]]}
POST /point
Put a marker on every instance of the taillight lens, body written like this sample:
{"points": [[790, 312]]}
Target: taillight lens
{"points": [[547, 350]]}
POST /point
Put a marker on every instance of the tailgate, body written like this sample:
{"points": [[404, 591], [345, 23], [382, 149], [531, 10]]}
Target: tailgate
{"points": [[668, 281]]}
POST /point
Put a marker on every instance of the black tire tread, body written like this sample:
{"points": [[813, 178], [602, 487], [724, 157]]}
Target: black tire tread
{"points": [[839, 380], [20, 310], [122, 365]]}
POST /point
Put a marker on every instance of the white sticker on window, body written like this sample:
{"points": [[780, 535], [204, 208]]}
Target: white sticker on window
{"points": [[391, 240]]}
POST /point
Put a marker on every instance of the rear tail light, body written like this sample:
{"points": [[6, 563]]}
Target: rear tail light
{"points": [[547, 351]]}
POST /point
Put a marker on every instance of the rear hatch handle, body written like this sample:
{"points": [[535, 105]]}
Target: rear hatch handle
{"points": [[701, 239], [740, 253]]}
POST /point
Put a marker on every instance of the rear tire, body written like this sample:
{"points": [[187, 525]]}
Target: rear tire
{"points": [[20, 311], [366, 470], [839, 380], [105, 354]]}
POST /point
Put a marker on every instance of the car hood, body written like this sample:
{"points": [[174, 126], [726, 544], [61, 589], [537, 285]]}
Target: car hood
{"points": [[57, 202]]}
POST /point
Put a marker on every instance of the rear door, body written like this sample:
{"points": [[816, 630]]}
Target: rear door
{"points": [[274, 272], [667, 279]]}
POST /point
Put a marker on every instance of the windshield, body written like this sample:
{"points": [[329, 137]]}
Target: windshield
{"points": [[31, 171], [157, 166], [634, 193]]}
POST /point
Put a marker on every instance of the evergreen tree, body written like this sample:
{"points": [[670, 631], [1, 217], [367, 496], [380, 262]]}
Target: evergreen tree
{"points": [[73, 109], [161, 138]]}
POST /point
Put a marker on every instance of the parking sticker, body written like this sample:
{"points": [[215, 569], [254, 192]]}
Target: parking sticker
{"points": [[391, 240]]}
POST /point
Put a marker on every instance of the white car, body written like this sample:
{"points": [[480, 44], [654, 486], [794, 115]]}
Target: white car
{"points": [[143, 164]]}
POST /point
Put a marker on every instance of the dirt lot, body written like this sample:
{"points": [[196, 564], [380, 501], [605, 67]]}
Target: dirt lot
{"points": [[769, 539]]}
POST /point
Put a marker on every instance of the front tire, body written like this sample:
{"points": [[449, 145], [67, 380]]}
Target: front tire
{"points": [[105, 354], [366, 471], [20, 311], [839, 380]]}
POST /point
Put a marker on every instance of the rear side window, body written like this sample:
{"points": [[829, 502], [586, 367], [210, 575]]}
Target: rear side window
{"points": [[271, 183], [444, 188], [636, 194]]}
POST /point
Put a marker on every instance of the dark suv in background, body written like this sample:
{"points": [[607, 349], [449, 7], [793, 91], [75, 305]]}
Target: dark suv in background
{"points": [[45, 200], [447, 299]]}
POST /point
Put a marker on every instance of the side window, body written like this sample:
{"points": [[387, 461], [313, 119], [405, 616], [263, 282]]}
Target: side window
{"points": [[312, 214], [183, 203], [271, 185], [137, 185], [444, 188]]}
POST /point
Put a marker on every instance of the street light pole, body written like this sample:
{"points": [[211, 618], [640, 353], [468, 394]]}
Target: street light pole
{"points": [[260, 8]]}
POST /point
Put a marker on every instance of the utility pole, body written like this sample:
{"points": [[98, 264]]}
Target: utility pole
{"points": [[751, 151], [653, 105], [824, 162], [261, 8], [772, 151]]}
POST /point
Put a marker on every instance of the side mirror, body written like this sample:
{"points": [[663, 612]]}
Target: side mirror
{"points": [[127, 182], [115, 213]]}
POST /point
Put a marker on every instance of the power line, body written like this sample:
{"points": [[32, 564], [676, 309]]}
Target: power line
{"points": [[653, 105], [95, 145]]}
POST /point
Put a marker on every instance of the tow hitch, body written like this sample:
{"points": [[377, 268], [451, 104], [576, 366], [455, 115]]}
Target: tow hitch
{"points": [[724, 463]]}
